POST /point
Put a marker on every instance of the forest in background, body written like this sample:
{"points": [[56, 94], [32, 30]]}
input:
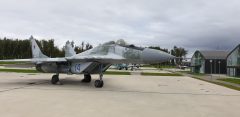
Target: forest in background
{"points": [[20, 49]]}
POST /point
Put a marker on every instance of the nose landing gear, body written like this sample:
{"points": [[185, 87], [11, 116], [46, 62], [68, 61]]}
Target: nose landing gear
{"points": [[99, 83]]}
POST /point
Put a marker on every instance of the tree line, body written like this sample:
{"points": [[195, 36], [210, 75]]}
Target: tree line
{"points": [[178, 52], [21, 48]]}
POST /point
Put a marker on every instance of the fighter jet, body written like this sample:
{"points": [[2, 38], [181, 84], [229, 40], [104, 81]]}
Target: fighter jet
{"points": [[94, 61]]}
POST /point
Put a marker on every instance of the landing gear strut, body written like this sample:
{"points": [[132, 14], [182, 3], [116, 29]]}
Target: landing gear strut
{"points": [[99, 83], [55, 79], [87, 78]]}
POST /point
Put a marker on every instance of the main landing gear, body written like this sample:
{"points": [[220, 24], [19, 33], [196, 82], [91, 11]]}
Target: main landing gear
{"points": [[87, 78], [55, 79], [98, 83]]}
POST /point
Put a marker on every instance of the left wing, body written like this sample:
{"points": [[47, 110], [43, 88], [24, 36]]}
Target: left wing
{"points": [[38, 56], [16, 60], [36, 60]]}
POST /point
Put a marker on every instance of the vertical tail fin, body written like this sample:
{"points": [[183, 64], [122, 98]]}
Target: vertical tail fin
{"points": [[69, 51], [36, 52]]}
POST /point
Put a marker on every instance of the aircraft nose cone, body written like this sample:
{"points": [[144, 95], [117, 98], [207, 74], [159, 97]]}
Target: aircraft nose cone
{"points": [[155, 56]]}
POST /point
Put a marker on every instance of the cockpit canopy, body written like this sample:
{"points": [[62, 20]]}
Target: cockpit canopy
{"points": [[127, 51]]}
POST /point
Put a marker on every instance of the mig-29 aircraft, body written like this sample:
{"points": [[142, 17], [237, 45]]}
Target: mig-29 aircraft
{"points": [[94, 61]]}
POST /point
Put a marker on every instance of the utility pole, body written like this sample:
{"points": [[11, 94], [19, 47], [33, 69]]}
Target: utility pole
{"points": [[219, 64]]}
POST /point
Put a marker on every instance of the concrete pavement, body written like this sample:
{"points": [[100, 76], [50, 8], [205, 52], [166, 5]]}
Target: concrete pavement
{"points": [[27, 95]]}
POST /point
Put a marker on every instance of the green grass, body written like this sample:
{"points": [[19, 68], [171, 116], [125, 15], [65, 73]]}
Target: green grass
{"points": [[147, 66], [32, 74], [198, 76], [160, 74], [231, 80], [192, 73], [19, 70], [185, 72], [221, 84], [166, 66], [6, 63], [116, 73], [161, 66]]}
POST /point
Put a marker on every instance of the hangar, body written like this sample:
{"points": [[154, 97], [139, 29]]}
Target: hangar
{"points": [[209, 62], [233, 62]]}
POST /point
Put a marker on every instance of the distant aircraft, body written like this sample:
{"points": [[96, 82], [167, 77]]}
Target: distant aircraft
{"points": [[121, 66], [94, 61], [126, 66]]}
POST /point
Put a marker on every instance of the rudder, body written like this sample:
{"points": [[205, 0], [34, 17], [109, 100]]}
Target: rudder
{"points": [[36, 52], [69, 50]]}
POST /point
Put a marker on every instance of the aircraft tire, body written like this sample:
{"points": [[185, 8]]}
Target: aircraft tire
{"points": [[98, 83], [55, 79], [87, 78]]}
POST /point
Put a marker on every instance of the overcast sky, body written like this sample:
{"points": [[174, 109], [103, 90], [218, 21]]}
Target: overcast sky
{"points": [[193, 24]]}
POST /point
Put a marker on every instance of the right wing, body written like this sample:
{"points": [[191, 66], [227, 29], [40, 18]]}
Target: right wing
{"points": [[109, 58]]}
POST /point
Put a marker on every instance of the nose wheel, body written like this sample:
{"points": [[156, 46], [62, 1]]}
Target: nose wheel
{"points": [[55, 79], [98, 83]]}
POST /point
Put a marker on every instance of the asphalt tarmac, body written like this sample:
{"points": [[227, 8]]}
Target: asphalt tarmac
{"points": [[32, 95]]}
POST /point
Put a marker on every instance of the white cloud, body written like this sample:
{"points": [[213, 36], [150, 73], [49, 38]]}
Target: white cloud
{"points": [[197, 24]]}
